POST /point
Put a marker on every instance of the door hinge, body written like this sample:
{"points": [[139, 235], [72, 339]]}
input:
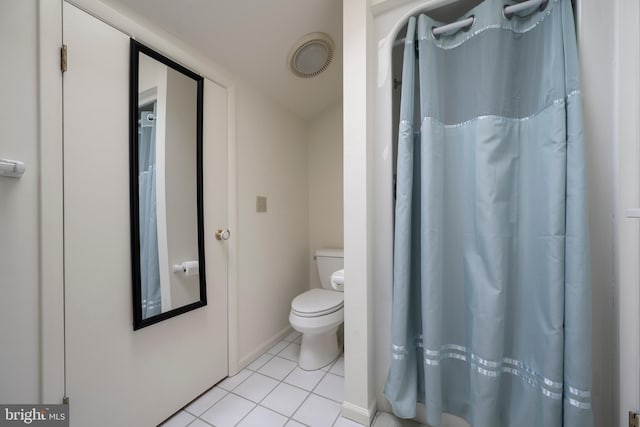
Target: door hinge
{"points": [[63, 58], [634, 419], [65, 400]]}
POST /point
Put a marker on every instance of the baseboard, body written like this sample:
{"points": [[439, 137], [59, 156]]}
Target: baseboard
{"points": [[358, 413], [246, 360]]}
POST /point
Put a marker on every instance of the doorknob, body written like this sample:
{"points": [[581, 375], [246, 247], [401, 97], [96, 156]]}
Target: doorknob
{"points": [[223, 234]]}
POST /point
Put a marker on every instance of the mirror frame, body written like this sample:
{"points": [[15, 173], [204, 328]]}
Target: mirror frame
{"points": [[138, 322]]}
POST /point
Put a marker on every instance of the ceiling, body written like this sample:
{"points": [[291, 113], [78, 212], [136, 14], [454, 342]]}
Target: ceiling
{"points": [[252, 39]]}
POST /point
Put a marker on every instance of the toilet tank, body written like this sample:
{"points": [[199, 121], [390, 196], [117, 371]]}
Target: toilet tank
{"points": [[328, 261]]}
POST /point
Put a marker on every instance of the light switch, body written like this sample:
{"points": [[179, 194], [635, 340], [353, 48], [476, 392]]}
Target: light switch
{"points": [[261, 203]]}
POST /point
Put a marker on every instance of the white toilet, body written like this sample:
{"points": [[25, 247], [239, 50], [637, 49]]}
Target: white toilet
{"points": [[318, 313]]}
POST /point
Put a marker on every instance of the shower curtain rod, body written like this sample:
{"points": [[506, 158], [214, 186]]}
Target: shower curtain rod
{"points": [[507, 11]]}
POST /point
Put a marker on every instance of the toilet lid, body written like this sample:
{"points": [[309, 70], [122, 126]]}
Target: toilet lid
{"points": [[317, 302]]}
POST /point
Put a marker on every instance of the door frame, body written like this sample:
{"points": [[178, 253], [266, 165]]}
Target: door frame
{"points": [[52, 360], [50, 101], [627, 247]]}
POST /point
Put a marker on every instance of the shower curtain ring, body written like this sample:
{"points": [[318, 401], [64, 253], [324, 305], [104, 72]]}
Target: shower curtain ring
{"points": [[454, 27], [433, 34], [468, 27], [542, 6], [504, 15]]}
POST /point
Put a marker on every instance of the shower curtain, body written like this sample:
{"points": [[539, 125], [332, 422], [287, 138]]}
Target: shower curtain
{"points": [[491, 291], [149, 262]]}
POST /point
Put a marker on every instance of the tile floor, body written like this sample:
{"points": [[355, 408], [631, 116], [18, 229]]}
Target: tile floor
{"points": [[272, 392]]}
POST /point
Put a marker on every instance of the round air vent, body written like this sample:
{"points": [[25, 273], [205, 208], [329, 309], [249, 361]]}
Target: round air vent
{"points": [[311, 55]]}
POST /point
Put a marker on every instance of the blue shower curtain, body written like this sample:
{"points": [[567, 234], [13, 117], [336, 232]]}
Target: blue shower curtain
{"points": [[491, 295], [149, 260]]}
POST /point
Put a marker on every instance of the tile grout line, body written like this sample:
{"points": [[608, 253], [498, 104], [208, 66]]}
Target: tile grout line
{"points": [[318, 394], [337, 418], [256, 404], [288, 418], [312, 393], [204, 421], [298, 408], [261, 400], [240, 383], [309, 395], [227, 392], [279, 381], [247, 414]]}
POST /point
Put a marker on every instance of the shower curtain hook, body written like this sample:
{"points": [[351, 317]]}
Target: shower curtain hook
{"points": [[468, 27], [521, 6], [452, 26]]}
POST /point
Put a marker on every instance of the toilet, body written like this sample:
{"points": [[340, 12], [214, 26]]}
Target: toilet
{"points": [[318, 313]]}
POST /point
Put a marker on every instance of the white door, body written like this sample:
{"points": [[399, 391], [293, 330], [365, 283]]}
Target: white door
{"points": [[115, 376]]}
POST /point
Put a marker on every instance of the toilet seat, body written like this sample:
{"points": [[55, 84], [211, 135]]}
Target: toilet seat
{"points": [[317, 302]]}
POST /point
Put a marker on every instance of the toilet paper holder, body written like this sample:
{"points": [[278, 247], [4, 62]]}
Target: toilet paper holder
{"points": [[189, 268], [11, 168]]}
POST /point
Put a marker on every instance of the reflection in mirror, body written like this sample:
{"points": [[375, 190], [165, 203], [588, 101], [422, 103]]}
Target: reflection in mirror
{"points": [[166, 187]]}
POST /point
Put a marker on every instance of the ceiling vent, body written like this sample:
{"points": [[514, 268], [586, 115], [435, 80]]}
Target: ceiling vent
{"points": [[311, 55]]}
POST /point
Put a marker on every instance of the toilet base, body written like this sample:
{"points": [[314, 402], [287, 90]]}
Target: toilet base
{"points": [[318, 350]]}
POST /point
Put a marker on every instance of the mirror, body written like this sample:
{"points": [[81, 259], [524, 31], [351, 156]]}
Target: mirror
{"points": [[165, 149]]}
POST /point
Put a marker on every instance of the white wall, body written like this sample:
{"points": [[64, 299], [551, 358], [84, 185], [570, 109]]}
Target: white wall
{"points": [[359, 209], [326, 205], [272, 245], [19, 205], [598, 65]]}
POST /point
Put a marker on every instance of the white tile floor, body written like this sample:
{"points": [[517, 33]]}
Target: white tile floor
{"points": [[272, 392]]}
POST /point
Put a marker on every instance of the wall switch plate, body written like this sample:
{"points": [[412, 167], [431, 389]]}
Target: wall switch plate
{"points": [[261, 203]]}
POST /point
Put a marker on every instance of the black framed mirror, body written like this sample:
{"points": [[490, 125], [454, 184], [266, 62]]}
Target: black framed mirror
{"points": [[167, 224]]}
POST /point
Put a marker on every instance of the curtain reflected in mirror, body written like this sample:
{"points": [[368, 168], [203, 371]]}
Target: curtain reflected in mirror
{"points": [[149, 267], [166, 188]]}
